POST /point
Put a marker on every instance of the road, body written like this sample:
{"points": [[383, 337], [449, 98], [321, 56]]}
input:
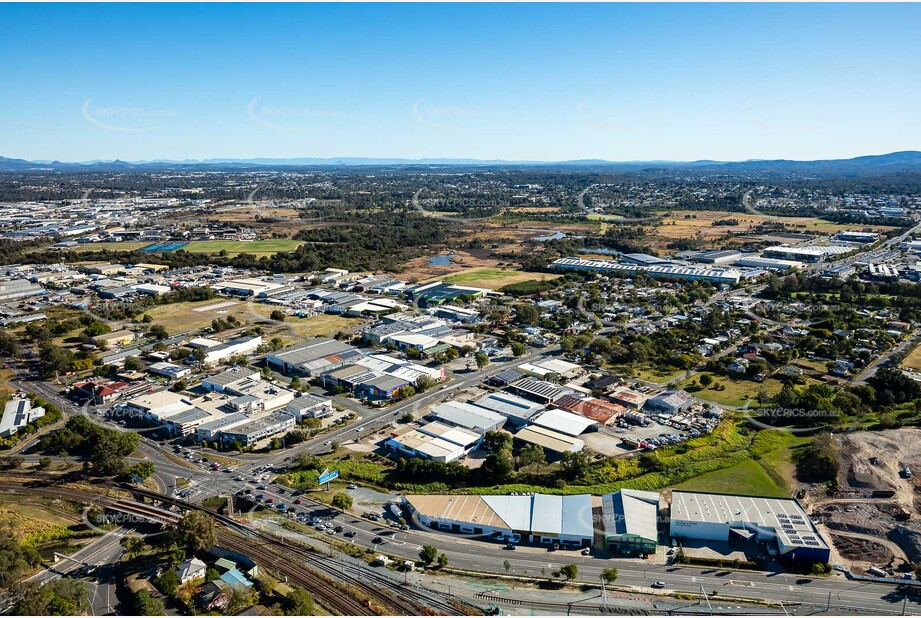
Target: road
{"points": [[101, 555]]}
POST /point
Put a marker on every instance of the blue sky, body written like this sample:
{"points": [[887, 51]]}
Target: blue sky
{"points": [[513, 81]]}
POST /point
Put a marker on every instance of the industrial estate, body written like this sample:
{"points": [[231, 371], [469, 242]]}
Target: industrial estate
{"points": [[547, 384]]}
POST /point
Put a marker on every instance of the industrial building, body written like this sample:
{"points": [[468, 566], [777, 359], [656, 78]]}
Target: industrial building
{"points": [[630, 519], [728, 256], [314, 357], [599, 410], [17, 413], [258, 429], [806, 253], [517, 410], [538, 518], [553, 442], [690, 273], [475, 418], [779, 524], [538, 390], [435, 441], [564, 422], [859, 237], [306, 406], [669, 402]]}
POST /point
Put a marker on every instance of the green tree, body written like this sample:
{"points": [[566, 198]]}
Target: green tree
{"points": [[609, 575], [59, 597], [298, 602], [132, 544], [133, 363], [481, 360], [569, 571], [143, 469], [518, 349], [442, 560], [9, 345], [507, 566], [194, 532], [147, 605], [342, 501], [159, 332], [428, 554], [532, 455], [495, 441], [44, 463], [278, 315], [296, 383], [706, 379], [575, 465], [167, 582]]}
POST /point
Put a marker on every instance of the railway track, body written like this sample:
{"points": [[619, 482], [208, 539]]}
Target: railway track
{"points": [[269, 551], [378, 589]]}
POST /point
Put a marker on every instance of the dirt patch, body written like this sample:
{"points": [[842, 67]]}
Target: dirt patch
{"points": [[874, 460]]}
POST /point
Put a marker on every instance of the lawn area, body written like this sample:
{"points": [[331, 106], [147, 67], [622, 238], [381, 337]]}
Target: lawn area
{"points": [[770, 475], [599, 217], [747, 477], [179, 317], [5, 375], [320, 325], [913, 360], [258, 248], [649, 373], [111, 246], [736, 392], [494, 278]]}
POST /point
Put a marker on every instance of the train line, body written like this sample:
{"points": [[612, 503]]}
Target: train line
{"points": [[379, 589]]}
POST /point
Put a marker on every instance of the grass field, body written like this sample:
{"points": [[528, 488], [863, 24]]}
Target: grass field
{"points": [[676, 226], [771, 475], [258, 248], [600, 217], [747, 477], [913, 360], [183, 316], [736, 392], [111, 246], [495, 278], [649, 374], [322, 325]]}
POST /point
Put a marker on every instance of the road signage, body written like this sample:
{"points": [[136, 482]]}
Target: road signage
{"points": [[328, 476]]}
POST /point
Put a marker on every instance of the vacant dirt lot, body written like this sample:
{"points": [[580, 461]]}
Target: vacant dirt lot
{"points": [[701, 222], [895, 449]]}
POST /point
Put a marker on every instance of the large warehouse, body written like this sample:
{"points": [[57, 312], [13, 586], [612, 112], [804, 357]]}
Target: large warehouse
{"points": [[539, 518], [780, 523], [630, 520]]}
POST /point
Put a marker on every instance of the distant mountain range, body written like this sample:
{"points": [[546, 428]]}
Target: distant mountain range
{"points": [[892, 163]]}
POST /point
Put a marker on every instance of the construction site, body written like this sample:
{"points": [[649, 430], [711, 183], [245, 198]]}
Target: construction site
{"points": [[874, 519]]}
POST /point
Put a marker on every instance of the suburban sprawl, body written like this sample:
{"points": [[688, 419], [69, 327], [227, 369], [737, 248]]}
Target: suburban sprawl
{"points": [[461, 389]]}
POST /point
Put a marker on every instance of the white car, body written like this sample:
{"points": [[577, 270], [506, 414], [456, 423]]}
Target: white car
{"points": [[327, 443]]}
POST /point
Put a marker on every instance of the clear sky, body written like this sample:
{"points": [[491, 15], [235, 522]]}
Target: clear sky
{"points": [[513, 81]]}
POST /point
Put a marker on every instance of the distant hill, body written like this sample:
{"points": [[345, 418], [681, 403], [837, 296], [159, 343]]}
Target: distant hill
{"points": [[873, 165]]}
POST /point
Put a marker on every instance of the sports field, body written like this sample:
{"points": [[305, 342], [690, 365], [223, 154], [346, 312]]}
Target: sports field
{"points": [[494, 278], [235, 247]]}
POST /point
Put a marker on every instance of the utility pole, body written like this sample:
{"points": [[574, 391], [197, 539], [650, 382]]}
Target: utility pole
{"points": [[604, 593], [703, 593]]}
